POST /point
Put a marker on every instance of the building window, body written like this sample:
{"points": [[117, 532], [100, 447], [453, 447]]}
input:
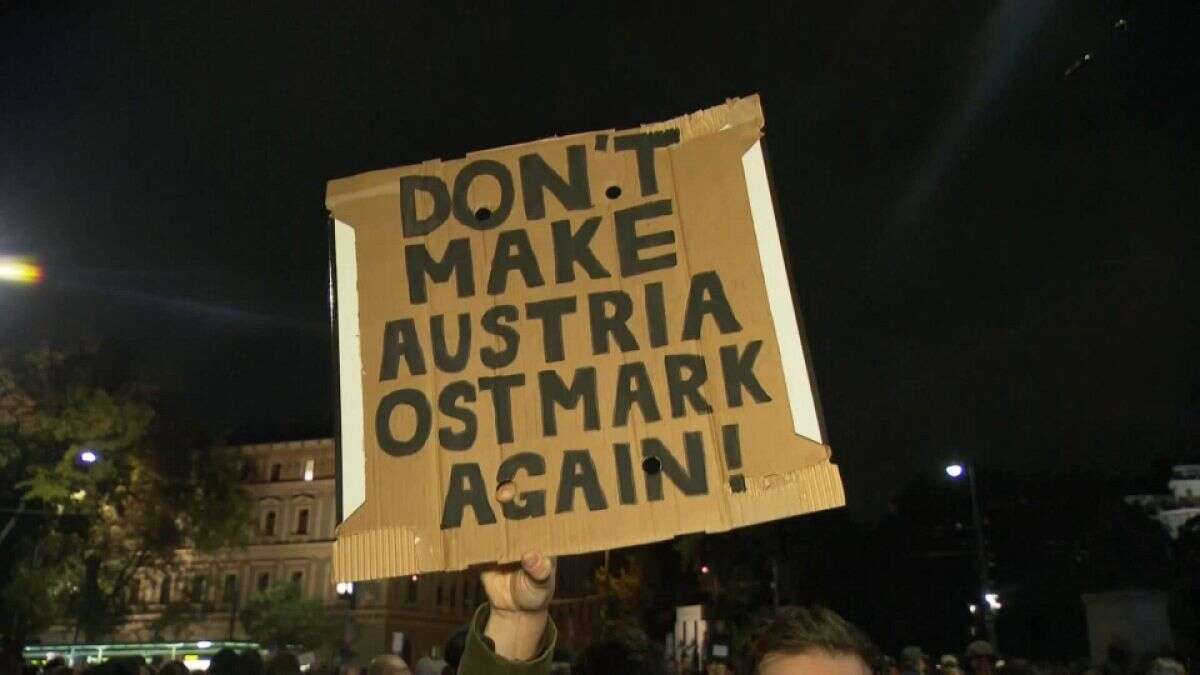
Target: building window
{"points": [[197, 589], [269, 524], [230, 587], [164, 591], [275, 469], [440, 591], [135, 591], [309, 467], [467, 586], [298, 578], [264, 581], [302, 522], [453, 591], [412, 590]]}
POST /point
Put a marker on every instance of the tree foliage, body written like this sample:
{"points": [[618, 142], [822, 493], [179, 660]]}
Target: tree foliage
{"points": [[159, 483], [282, 617]]}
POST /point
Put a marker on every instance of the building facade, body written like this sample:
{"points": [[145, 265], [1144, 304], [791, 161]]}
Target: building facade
{"points": [[1178, 507], [293, 488]]}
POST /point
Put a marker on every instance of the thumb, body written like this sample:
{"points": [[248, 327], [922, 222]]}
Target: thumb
{"points": [[537, 566]]}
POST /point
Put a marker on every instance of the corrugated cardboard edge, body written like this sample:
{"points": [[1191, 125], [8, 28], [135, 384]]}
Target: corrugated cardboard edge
{"points": [[396, 551], [393, 551]]}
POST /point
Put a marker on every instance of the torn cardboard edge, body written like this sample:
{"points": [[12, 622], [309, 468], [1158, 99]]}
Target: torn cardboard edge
{"points": [[395, 551]]}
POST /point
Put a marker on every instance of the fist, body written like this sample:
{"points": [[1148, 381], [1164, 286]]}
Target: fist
{"points": [[520, 587]]}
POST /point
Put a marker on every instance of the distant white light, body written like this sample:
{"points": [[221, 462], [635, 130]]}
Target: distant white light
{"points": [[704, 569], [341, 588], [203, 644], [88, 457], [308, 469], [954, 470], [973, 608], [414, 578], [993, 600]]}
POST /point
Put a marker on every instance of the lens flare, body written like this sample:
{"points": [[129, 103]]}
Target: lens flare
{"points": [[19, 271]]}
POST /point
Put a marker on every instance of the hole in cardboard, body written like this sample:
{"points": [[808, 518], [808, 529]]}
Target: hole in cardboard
{"points": [[505, 492], [612, 191], [482, 214], [651, 465]]}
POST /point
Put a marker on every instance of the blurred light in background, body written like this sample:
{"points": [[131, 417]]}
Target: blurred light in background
{"points": [[19, 271]]}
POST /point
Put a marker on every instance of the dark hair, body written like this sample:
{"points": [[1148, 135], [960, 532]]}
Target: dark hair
{"points": [[224, 662], [800, 630], [173, 668], [283, 663], [624, 650], [249, 662]]}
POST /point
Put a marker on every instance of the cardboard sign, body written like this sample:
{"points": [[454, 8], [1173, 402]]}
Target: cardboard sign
{"points": [[581, 343]]}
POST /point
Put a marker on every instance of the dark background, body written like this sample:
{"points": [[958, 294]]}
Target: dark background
{"points": [[994, 256]]}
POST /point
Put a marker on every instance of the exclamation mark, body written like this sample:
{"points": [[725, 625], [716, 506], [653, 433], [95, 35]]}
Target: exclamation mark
{"points": [[733, 456]]}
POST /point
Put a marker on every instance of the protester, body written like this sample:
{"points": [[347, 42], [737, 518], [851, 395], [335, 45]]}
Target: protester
{"points": [[388, 664], [249, 662], [283, 663], [455, 647], [805, 640], [173, 668], [515, 621], [981, 658], [948, 665], [623, 649], [1166, 666], [913, 661], [224, 662]]}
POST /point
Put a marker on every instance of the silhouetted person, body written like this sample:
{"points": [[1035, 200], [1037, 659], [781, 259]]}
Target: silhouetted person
{"points": [[625, 650], [224, 662], [173, 668], [283, 663], [388, 664], [249, 662]]}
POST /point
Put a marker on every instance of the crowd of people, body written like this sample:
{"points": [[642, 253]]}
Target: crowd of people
{"points": [[513, 635]]}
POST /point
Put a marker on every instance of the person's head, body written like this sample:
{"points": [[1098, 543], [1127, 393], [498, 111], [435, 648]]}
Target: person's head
{"points": [[981, 657], [283, 663], [224, 662], [623, 649], [249, 662], [388, 664], [808, 641], [455, 646], [1020, 667], [1166, 666], [948, 665], [173, 668], [912, 658]]}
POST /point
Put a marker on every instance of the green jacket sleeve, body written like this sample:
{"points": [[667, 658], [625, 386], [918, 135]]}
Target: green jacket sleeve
{"points": [[480, 656]]}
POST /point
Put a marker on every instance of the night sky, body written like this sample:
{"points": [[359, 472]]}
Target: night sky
{"points": [[993, 255]]}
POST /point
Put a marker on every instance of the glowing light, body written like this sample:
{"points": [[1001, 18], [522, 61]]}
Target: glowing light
{"points": [[203, 644], [993, 600], [704, 569], [88, 457], [973, 608], [414, 578], [954, 470], [345, 587], [19, 271]]}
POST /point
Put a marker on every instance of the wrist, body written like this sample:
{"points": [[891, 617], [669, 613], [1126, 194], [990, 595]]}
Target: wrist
{"points": [[516, 634]]}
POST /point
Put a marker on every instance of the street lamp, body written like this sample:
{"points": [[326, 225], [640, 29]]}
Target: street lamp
{"points": [[18, 271], [991, 601]]}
